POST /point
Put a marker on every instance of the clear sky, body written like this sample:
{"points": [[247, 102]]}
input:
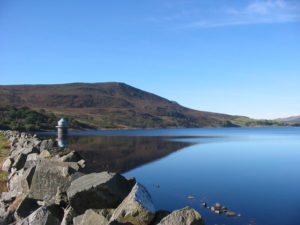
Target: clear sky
{"points": [[237, 57]]}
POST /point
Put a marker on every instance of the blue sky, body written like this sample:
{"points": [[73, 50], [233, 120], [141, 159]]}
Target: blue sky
{"points": [[236, 57]]}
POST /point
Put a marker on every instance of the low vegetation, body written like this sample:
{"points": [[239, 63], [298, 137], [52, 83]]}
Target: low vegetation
{"points": [[247, 122], [4, 151], [25, 119]]}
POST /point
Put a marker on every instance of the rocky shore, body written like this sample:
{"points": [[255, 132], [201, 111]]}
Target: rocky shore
{"points": [[47, 185]]}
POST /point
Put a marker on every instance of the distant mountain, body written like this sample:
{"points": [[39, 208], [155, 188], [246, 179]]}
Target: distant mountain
{"points": [[115, 105], [292, 119]]}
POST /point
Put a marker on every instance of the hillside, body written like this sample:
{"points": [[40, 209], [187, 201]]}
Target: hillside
{"points": [[111, 105], [293, 120]]}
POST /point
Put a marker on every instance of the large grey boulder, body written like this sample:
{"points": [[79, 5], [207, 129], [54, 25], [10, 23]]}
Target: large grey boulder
{"points": [[185, 216], [14, 183], [137, 208], [98, 191], [90, 217], [45, 215], [48, 178]]}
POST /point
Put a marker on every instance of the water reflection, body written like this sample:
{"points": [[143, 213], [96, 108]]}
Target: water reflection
{"points": [[63, 141], [121, 154]]}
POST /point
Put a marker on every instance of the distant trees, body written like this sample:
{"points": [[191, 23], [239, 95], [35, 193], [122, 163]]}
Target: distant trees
{"points": [[25, 119]]}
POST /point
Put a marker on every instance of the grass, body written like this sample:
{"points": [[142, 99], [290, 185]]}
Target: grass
{"points": [[4, 151]]}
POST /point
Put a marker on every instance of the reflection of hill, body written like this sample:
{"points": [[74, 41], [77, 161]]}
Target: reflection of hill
{"points": [[121, 154]]}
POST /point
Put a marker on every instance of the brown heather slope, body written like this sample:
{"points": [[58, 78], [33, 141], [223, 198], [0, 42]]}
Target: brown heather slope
{"points": [[109, 105]]}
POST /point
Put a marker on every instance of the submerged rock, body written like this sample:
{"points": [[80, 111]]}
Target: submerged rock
{"points": [[185, 216], [137, 208], [98, 191]]}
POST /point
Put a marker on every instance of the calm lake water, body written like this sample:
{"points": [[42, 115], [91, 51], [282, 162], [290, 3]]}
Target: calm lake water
{"points": [[252, 171]]}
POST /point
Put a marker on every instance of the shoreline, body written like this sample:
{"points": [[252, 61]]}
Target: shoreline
{"points": [[47, 184]]}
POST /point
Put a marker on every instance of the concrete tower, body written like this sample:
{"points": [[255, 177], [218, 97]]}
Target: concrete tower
{"points": [[62, 128]]}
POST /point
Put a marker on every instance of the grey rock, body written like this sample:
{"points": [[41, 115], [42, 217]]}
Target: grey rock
{"points": [[26, 179], [90, 217], [45, 154], [49, 176], [7, 165], [45, 215], [137, 208], [106, 189], [71, 157], [185, 216], [46, 144], [14, 183], [7, 197]]}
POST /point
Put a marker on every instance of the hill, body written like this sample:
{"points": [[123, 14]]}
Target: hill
{"points": [[113, 105], [292, 120]]}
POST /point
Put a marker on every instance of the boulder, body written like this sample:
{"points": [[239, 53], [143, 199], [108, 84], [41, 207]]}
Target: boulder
{"points": [[70, 157], [46, 144], [7, 165], [48, 178], [45, 215], [90, 217], [98, 191], [185, 216], [26, 207], [14, 183], [26, 179], [45, 154], [137, 208]]}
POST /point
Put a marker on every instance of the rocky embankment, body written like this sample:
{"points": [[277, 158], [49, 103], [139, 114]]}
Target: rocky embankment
{"points": [[47, 186]]}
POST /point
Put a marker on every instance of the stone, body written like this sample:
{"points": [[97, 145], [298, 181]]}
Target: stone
{"points": [[137, 208], [26, 179], [46, 144], [7, 197], [26, 207], [30, 149], [107, 190], [48, 177], [230, 213], [45, 215], [90, 217], [45, 154], [7, 165], [14, 183], [71, 157], [185, 216]]}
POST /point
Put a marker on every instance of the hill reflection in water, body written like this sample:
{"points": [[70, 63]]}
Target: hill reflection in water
{"points": [[121, 154]]}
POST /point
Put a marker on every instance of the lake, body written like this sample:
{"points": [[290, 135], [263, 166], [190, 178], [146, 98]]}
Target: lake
{"points": [[254, 172]]}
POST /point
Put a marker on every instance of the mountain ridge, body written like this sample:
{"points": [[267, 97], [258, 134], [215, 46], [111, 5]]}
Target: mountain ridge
{"points": [[113, 105]]}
